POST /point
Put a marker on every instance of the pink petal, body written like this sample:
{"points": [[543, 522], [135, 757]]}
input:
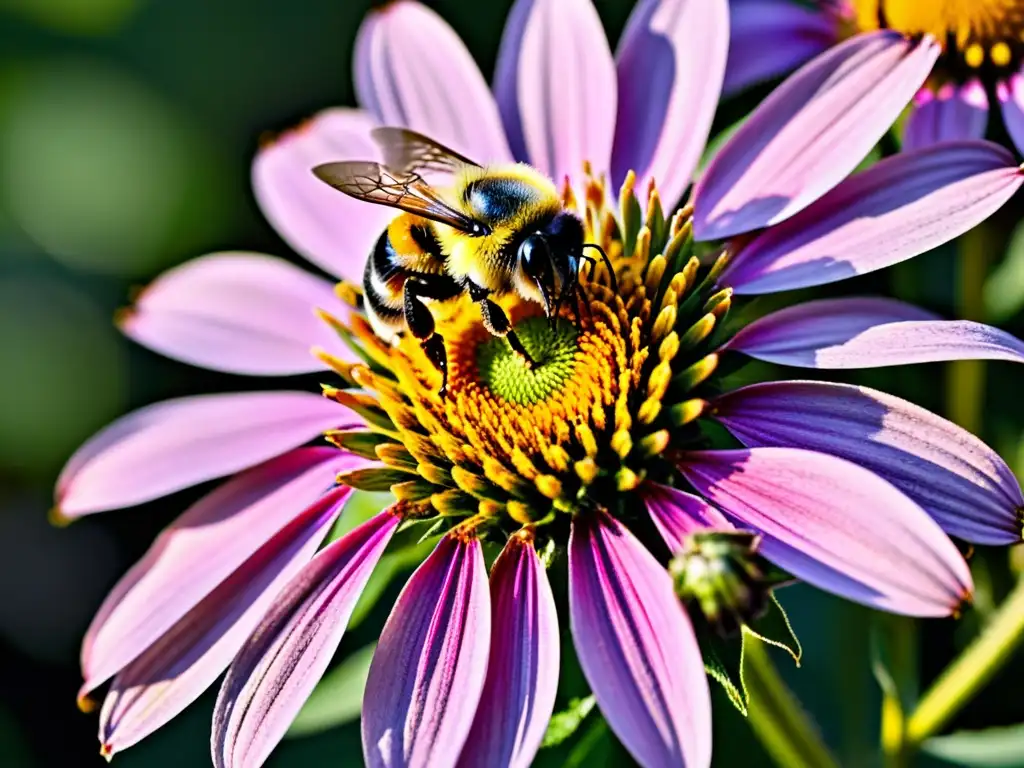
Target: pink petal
{"points": [[555, 86], [197, 552], [522, 673], [671, 61], [175, 444], [951, 114], [898, 208], [428, 671], [1010, 94], [412, 70], [333, 231], [238, 312], [182, 663], [769, 38], [677, 514], [955, 477], [836, 525], [287, 654], [869, 333], [810, 133], [636, 646]]}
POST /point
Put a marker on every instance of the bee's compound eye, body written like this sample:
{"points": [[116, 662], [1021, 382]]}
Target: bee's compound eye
{"points": [[530, 253], [478, 230]]}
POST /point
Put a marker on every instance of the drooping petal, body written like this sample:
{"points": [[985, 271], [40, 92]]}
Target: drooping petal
{"points": [[671, 61], [953, 475], [869, 333], [770, 38], [555, 86], [677, 514], [637, 647], [836, 525], [286, 656], [522, 671], [412, 70], [1010, 94], [202, 548], [428, 671], [178, 443], [238, 312], [810, 133], [898, 208], [183, 663], [332, 230], [952, 113]]}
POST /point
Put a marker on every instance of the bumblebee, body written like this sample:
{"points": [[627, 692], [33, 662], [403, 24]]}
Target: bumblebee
{"points": [[495, 230]]}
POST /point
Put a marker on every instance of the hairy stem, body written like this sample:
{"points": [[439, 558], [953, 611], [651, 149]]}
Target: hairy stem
{"points": [[776, 716], [969, 673]]}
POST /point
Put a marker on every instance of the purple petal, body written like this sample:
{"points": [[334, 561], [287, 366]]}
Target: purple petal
{"points": [[837, 526], [898, 208], [175, 444], [636, 646], [1011, 100], [286, 656], [237, 312], [333, 231], [522, 673], [671, 61], [412, 70], [208, 542], [428, 671], [677, 514], [555, 86], [955, 477], [869, 333], [182, 663], [770, 38], [952, 113], [810, 133]]}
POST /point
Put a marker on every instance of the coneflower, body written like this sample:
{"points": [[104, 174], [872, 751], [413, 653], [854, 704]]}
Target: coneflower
{"points": [[602, 465]]}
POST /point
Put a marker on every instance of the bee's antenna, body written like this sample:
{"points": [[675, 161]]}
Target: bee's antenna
{"points": [[607, 263]]}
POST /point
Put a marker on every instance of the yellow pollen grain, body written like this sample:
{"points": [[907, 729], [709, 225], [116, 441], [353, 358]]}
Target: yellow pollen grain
{"points": [[1000, 54], [974, 55]]}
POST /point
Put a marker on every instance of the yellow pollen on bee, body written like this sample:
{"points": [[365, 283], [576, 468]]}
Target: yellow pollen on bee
{"points": [[1001, 54]]}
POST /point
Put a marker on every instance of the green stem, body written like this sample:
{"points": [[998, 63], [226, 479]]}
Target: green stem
{"points": [[776, 716], [895, 667], [972, 670], [965, 383]]}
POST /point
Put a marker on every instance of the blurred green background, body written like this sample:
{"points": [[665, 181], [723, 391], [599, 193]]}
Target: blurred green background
{"points": [[126, 132]]}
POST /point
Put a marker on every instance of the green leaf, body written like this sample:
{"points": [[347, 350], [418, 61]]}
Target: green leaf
{"points": [[390, 566], [358, 509], [725, 658], [990, 748], [718, 672], [564, 724], [338, 697], [774, 628], [1004, 287], [585, 752]]}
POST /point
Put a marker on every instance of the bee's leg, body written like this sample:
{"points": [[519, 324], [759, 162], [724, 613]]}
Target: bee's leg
{"points": [[497, 322], [420, 321]]}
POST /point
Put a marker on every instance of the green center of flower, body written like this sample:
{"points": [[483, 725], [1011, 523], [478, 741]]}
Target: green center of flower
{"points": [[553, 349]]}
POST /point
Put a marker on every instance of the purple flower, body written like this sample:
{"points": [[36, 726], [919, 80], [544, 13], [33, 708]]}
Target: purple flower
{"points": [[846, 488], [981, 55]]}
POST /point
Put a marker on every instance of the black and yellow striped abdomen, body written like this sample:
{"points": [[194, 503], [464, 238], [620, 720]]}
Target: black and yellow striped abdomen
{"points": [[407, 248]]}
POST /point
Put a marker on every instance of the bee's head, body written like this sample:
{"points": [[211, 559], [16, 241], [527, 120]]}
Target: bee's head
{"points": [[550, 257]]}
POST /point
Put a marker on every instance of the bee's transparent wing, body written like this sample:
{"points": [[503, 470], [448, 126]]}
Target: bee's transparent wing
{"points": [[411, 152], [376, 183]]}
